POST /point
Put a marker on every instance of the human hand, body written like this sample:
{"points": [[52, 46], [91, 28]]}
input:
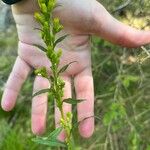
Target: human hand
{"points": [[80, 19]]}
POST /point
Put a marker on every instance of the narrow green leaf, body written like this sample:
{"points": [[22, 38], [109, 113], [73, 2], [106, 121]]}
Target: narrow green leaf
{"points": [[51, 143], [75, 124], [73, 101], [40, 92], [64, 68], [55, 133], [57, 5], [38, 29], [40, 47], [52, 78], [51, 140], [60, 40]]}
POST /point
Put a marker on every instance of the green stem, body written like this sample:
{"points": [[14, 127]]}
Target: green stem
{"points": [[62, 113], [51, 26], [59, 101]]}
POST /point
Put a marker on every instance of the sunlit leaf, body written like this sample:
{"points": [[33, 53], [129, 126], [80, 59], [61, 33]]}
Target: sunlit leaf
{"points": [[148, 147], [49, 142], [55, 133]]}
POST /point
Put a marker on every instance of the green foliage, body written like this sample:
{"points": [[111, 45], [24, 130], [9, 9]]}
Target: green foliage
{"points": [[134, 141], [60, 40], [121, 98], [40, 47], [11, 138], [128, 79], [148, 147], [49, 28], [73, 101], [115, 116], [133, 95], [51, 140], [40, 92], [41, 71], [64, 68]]}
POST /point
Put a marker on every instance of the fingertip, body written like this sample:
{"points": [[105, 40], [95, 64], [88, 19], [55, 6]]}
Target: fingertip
{"points": [[13, 85], [39, 106], [6, 107], [8, 100], [38, 126], [86, 128], [62, 136], [38, 131]]}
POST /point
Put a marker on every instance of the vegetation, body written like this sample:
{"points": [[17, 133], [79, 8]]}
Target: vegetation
{"points": [[49, 28], [122, 88]]}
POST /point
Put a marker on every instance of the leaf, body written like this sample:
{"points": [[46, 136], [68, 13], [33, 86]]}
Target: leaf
{"points": [[60, 39], [73, 101], [51, 143], [64, 68], [38, 29], [40, 92], [51, 140], [148, 147], [57, 5], [40, 47], [128, 79], [42, 72], [55, 133], [75, 124], [52, 78], [107, 118]]}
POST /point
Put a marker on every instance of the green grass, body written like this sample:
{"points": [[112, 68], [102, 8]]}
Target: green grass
{"points": [[121, 98]]}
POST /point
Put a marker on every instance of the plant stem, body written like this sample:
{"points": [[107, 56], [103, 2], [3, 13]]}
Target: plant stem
{"points": [[49, 28]]}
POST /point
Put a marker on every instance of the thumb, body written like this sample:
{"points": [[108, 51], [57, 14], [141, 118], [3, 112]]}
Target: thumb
{"points": [[116, 32]]}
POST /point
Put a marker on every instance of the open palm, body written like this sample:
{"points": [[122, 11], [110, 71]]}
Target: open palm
{"points": [[80, 18]]}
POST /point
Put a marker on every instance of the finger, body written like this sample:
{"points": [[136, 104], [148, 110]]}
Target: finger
{"points": [[84, 90], [39, 106], [66, 107], [17, 77], [116, 32]]}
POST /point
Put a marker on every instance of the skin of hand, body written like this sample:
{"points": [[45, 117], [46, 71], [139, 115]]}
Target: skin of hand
{"points": [[80, 18]]}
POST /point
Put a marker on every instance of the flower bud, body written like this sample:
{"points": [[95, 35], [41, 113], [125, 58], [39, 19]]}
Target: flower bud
{"points": [[39, 18], [44, 8]]}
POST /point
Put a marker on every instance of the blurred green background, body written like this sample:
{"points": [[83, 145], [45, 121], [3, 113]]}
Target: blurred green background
{"points": [[122, 85]]}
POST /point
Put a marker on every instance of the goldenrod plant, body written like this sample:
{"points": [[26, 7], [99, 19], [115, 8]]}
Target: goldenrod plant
{"points": [[49, 27]]}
